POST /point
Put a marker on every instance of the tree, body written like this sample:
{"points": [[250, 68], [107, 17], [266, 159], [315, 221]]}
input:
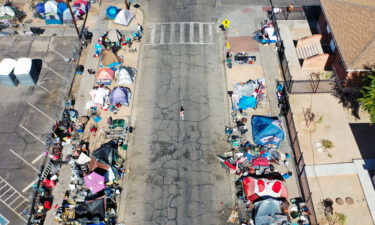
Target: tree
{"points": [[367, 98]]}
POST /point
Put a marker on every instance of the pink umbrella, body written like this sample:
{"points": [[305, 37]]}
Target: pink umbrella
{"points": [[94, 182]]}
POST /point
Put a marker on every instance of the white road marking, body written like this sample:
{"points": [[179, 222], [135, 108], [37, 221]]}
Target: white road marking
{"points": [[201, 33], [48, 91], [210, 33], [31, 133], [44, 114], [37, 158], [20, 157], [182, 39], [28, 186], [14, 209], [152, 34], [64, 78], [182, 33], [191, 35], [162, 34]]}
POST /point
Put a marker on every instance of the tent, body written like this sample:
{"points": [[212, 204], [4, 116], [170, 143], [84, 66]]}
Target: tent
{"points": [[91, 209], [120, 95], [54, 12], [80, 7], [7, 13], [94, 182], [109, 59], [123, 76], [39, 8], [257, 188], [106, 153], [267, 131], [105, 76], [7, 76], [124, 17], [268, 212], [67, 17], [111, 12]]}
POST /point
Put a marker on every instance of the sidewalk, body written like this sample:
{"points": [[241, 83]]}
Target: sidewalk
{"points": [[265, 67], [84, 84]]}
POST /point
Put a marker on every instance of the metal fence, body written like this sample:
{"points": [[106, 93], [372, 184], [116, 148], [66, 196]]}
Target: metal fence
{"points": [[310, 86], [300, 165], [298, 13]]}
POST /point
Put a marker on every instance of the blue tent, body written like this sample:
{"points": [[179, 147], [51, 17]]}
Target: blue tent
{"points": [[111, 12], [267, 131]]}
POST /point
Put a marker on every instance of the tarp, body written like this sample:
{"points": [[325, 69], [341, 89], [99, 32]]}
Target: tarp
{"points": [[40, 9], [256, 188], [259, 162], [123, 76], [109, 59], [111, 12], [247, 102], [124, 17], [105, 76], [268, 212], [94, 182], [7, 13], [120, 95], [94, 164], [99, 95], [106, 153], [83, 159], [267, 131], [91, 209]]}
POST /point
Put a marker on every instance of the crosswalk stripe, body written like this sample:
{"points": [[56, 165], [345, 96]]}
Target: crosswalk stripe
{"points": [[188, 33]]}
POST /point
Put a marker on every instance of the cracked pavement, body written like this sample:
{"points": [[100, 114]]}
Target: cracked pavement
{"points": [[174, 176]]}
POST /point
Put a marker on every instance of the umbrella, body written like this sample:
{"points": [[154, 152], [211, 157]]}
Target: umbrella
{"points": [[94, 182]]}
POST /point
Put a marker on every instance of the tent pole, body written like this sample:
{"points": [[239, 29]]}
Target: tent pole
{"points": [[84, 23], [74, 19]]}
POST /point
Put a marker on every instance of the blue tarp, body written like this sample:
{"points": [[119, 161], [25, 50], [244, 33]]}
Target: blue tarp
{"points": [[247, 102], [267, 131]]}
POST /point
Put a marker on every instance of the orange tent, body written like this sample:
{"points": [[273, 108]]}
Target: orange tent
{"points": [[105, 76]]}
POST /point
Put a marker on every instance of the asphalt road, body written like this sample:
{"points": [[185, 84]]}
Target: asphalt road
{"points": [[175, 177]]}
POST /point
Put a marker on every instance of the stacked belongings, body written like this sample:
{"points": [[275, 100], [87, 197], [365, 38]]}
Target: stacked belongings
{"points": [[94, 187], [247, 95]]}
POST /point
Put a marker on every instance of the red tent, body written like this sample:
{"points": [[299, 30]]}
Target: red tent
{"points": [[256, 188], [105, 76]]}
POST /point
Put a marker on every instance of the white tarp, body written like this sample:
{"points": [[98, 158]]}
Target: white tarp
{"points": [[23, 66], [83, 159], [124, 17], [7, 11], [99, 96], [123, 76], [7, 66]]}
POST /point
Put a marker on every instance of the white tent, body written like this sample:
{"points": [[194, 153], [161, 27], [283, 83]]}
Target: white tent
{"points": [[50, 8], [67, 16], [6, 12], [124, 17], [123, 76], [23, 66]]}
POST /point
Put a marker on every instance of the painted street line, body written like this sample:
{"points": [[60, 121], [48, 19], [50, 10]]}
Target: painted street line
{"points": [[20, 157], [31, 133], [37, 109]]}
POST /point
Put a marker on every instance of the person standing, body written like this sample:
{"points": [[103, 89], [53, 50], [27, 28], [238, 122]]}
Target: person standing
{"points": [[182, 113]]}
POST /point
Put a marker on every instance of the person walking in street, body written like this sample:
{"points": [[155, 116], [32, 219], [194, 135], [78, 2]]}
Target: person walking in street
{"points": [[182, 112]]}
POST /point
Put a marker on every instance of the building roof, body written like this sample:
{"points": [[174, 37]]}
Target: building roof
{"points": [[353, 26]]}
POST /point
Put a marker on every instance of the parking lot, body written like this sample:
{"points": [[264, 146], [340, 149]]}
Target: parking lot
{"points": [[27, 115]]}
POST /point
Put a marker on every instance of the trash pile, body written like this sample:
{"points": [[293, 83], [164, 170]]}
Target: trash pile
{"points": [[94, 186], [259, 186]]}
